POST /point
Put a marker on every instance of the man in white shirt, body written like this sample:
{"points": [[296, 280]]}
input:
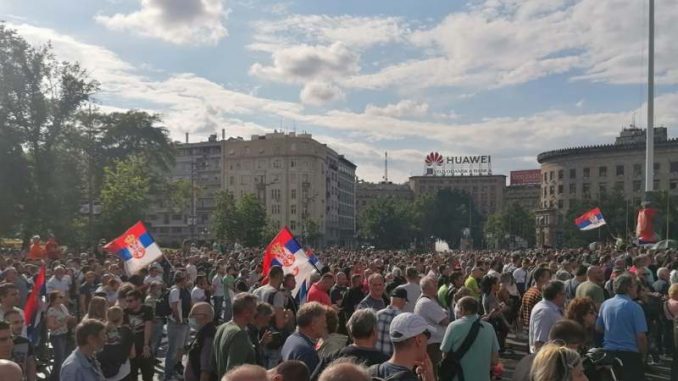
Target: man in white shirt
{"points": [[427, 307], [59, 282], [520, 276], [412, 287], [191, 270], [154, 274], [545, 314]]}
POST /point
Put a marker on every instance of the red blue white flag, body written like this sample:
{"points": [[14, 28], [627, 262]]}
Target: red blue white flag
{"points": [[592, 219], [33, 306], [136, 248], [285, 251]]}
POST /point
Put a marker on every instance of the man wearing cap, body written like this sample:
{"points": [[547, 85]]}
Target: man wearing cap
{"points": [[483, 353], [386, 316], [409, 334]]}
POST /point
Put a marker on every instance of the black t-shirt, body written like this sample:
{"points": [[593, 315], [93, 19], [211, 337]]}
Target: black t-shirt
{"points": [[337, 293], [399, 373], [353, 297], [367, 356], [136, 321], [116, 350]]}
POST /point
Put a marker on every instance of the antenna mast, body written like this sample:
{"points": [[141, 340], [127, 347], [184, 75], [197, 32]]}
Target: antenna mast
{"points": [[386, 166]]}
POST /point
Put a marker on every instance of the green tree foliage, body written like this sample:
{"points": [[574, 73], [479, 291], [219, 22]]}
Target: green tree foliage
{"points": [[614, 208], [445, 215], [39, 97], [124, 195], [252, 220], [243, 221], [514, 221], [224, 221], [387, 223]]}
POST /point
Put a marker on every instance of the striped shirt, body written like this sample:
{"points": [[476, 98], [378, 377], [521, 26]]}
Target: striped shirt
{"points": [[384, 319]]}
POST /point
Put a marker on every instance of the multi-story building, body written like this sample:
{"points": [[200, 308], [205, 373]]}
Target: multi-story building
{"points": [[524, 189], [487, 191], [199, 164], [302, 183], [591, 172], [367, 192]]}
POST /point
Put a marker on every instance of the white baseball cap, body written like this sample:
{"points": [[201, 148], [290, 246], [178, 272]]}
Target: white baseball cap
{"points": [[407, 325]]}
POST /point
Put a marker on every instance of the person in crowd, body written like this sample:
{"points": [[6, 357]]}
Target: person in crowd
{"points": [[362, 327], [330, 346], [483, 354], [81, 364], [36, 252], [456, 281], [272, 295], [201, 290], [59, 320], [154, 298], [319, 291], [261, 336], [179, 300], [114, 358], [663, 282], [290, 370], [97, 309], [566, 331], [139, 317], [412, 288], [23, 352], [312, 325], [200, 366], [10, 371], [86, 292], [409, 362], [12, 275], [546, 313], [9, 299], [622, 322], [520, 275], [554, 362], [435, 316], [154, 274], [533, 295], [232, 345], [342, 370], [354, 295], [218, 292], [386, 316], [494, 310], [6, 342], [246, 372], [473, 280], [375, 298], [583, 311], [60, 281], [593, 287], [572, 283]]}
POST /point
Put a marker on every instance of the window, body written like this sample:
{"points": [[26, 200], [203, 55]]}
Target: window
{"points": [[619, 186], [275, 194], [176, 217], [545, 177], [573, 173], [637, 169], [586, 188], [636, 185], [293, 163], [231, 180], [573, 188], [561, 174], [276, 163], [545, 194], [673, 185], [602, 188], [551, 175], [657, 167], [602, 171], [561, 204], [587, 172], [673, 167], [293, 194], [656, 184], [620, 170], [293, 209], [560, 189], [552, 190], [293, 224]]}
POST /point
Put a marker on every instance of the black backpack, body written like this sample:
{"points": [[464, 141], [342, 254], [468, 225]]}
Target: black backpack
{"points": [[162, 307], [377, 374], [450, 367]]}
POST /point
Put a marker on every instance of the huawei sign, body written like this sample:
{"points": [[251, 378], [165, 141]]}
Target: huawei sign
{"points": [[434, 158]]}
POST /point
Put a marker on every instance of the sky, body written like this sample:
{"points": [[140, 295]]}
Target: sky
{"points": [[506, 78]]}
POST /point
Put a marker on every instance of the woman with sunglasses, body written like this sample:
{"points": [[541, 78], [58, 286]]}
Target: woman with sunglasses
{"points": [[59, 320], [557, 363]]}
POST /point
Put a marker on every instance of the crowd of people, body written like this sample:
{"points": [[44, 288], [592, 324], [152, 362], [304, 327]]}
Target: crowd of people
{"points": [[203, 314]]}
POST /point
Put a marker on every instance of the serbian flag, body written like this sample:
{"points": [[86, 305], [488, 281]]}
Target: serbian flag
{"points": [[33, 307], [592, 219], [136, 248], [285, 251]]}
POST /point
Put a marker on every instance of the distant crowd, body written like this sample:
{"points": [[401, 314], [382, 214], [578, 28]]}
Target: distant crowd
{"points": [[211, 314]]}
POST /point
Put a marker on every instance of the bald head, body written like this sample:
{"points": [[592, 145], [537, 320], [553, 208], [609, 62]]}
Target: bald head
{"points": [[246, 373], [10, 371], [341, 371], [595, 274]]}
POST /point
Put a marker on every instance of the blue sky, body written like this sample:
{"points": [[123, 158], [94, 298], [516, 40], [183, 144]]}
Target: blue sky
{"points": [[509, 78]]}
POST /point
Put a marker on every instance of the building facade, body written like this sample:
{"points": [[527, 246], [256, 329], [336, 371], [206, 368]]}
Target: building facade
{"points": [[367, 192], [486, 191], [201, 165], [302, 183], [591, 172], [527, 196]]}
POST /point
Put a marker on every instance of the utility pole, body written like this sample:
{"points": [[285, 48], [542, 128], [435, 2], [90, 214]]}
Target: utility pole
{"points": [[649, 144]]}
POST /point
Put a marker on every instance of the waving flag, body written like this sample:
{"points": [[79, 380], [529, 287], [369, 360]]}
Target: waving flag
{"points": [[33, 307], [590, 220], [285, 251], [136, 248]]}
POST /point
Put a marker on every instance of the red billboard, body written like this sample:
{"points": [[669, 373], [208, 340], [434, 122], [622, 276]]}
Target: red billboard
{"points": [[526, 177]]}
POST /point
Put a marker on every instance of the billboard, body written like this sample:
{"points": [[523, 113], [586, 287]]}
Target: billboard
{"points": [[526, 177], [475, 165]]}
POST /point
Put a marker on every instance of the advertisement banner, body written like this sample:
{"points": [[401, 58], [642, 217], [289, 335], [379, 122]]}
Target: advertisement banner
{"points": [[526, 177]]}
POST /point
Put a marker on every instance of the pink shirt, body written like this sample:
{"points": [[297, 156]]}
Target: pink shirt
{"points": [[316, 294], [671, 309]]}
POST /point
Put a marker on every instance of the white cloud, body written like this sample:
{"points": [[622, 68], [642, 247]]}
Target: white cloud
{"points": [[405, 108], [174, 21], [320, 93]]}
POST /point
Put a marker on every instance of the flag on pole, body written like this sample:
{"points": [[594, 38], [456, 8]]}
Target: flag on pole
{"points": [[285, 251], [136, 248], [590, 220], [33, 306]]}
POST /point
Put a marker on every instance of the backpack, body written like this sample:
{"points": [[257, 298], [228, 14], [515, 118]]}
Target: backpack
{"points": [[376, 374], [162, 307], [450, 367]]}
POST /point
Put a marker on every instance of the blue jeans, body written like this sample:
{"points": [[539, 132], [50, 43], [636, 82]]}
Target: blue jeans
{"points": [[228, 309], [218, 307], [60, 349], [176, 338], [156, 335]]}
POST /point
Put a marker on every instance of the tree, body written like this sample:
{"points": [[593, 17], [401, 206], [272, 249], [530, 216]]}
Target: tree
{"points": [[511, 223], [224, 221], [124, 195], [387, 223], [251, 220], [39, 97], [445, 215]]}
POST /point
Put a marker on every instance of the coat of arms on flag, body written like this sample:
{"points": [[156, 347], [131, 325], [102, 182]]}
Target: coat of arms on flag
{"points": [[590, 220], [135, 247]]}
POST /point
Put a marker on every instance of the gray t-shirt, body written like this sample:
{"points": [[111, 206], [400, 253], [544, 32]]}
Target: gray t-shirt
{"points": [[266, 294], [433, 313]]}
